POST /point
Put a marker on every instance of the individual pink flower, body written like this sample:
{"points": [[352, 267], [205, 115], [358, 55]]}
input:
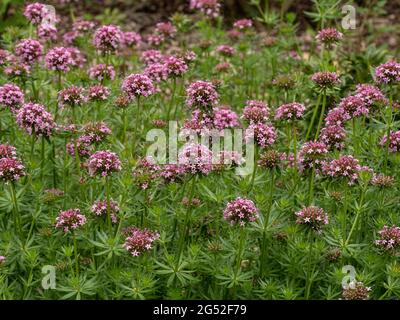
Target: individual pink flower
{"points": [[101, 72], [35, 120], [243, 24], [337, 117], [354, 106], [312, 155], [7, 151], [226, 50], [47, 32], [176, 67], [263, 134], [103, 163], [201, 94], [98, 93], [394, 141], [325, 79], [152, 56], [132, 39], [346, 167], [2, 260], [195, 158], [11, 96], [11, 169], [225, 118], [290, 111], [59, 59], [333, 137], [72, 96], [255, 111], [389, 238], [100, 208], [157, 72], [241, 211], [70, 220], [166, 29], [388, 73], [35, 12], [29, 51], [137, 85], [329, 36], [108, 39], [312, 216], [138, 240]]}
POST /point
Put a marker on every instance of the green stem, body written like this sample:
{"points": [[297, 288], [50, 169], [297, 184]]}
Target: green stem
{"points": [[359, 211], [253, 175], [170, 105], [311, 187], [107, 183], [308, 279], [389, 126], [321, 116], [17, 215], [76, 253], [42, 159], [313, 117]]}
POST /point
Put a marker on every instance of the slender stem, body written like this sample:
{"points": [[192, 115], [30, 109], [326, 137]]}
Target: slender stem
{"points": [[17, 215], [125, 120], [76, 253], [295, 148], [321, 116], [42, 159], [359, 211], [389, 126], [253, 175], [171, 102], [344, 224], [107, 183], [308, 279], [311, 186], [313, 117]]}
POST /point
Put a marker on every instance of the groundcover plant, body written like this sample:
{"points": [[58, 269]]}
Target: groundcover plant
{"points": [[202, 157]]}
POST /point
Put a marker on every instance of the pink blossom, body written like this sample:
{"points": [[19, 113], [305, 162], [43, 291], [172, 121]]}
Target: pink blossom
{"points": [[35, 120], [70, 220], [103, 163], [241, 211]]}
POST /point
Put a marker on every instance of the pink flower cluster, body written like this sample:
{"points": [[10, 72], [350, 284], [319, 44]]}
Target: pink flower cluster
{"points": [[389, 238], [195, 158], [108, 38], [98, 93], [35, 120], [346, 167], [176, 67], [103, 163], [70, 220], [201, 94], [139, 240], [172, 173], [99, 208], [145, 172], [333, 137], [47, 32], [225, 118], [263, 134], [35, 12], [394, 141], [382, 181], [243, 24], [240, 211], [354, 106], [137, 85], [29, 51], [356, 291], [96, 131], [312, 216], [166, 29], [11, 96], [226, 50], [370, 95], [325, 79], [290, 111], [83, 146], [101, 72], [210, 8], [312, 155], [83, 26], [78, 59], [329, 36], [11, 169], [132, 39], [157, 72], [388, 73], [71, 96], [7, 151], [255, 111], [152, 56], [336, 117], [59, 59]]}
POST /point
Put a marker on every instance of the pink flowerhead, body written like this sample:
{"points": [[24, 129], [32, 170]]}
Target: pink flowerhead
{"points": [[389, 238], [210, 8], [47, 32], [7, 151], [157, 72], [101, 72], [72, 96], [263, 134], [11, 96], [83, 26], [325, 79], [35, 12], [138, 240], [155, 40], [108, 39], [166, 29], [176, 67], [370, 94], [312, 216], [240, 211], [145, 172], [354, 106], [388, 73], [225, 118], [132, 39], [195, 158], [255, 111], [290, 111], [100, 209], [35, 120], [103, 163], [98, 93], [83, 146], [96, 131], [70, 220], [59, 59], [152, 56], [226, 50], [394, 141], [333, 137], [172, 173], [11, 169], [337, 117], [137, 85], [29, 51], [243, 24], [77, 57], [201, 94], [329, 36], [345, 167], [312, 155]]}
